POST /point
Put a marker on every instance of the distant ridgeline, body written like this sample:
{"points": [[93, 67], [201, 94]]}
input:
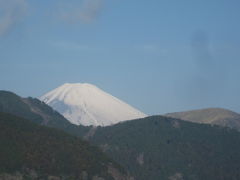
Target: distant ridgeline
{"points": [[217, 116], [151, 148]]}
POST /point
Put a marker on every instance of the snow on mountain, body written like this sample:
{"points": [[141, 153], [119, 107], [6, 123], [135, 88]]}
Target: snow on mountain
{"points": [[85, 104]]}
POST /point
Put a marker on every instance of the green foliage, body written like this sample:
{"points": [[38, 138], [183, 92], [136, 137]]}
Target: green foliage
{"points": [[27, 146], [158, 147]]}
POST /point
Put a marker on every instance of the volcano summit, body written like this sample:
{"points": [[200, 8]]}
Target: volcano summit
{"points": [[86, 104]]}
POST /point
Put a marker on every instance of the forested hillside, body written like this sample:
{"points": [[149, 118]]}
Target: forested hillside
{"points": [[159, 147], [30, 151]]}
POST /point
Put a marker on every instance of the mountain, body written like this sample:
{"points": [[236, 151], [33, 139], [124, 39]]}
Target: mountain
{"points": [[85, 104], [151, 148], [38, 112], [31, 151], [164, 148], [218, 116]]}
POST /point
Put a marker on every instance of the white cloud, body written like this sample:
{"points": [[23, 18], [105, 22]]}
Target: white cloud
{"points": [[11, 12]]}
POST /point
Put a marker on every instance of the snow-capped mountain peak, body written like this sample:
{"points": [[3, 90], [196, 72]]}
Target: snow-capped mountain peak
{"points": [[86, 104]]}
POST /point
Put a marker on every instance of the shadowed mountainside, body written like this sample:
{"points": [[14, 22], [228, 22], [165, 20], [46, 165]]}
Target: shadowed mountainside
{"points": [[31, 151], [159, 147], [38, 112]]}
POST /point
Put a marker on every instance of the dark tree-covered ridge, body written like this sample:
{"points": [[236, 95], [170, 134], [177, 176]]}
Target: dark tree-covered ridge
{"points": [[38, 151]]}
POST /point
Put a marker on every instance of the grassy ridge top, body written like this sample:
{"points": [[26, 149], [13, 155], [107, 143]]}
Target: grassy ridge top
{"points": [[218, 116]]}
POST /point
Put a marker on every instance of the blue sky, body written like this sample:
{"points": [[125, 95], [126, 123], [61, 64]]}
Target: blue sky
{"points": [[158, 55]]}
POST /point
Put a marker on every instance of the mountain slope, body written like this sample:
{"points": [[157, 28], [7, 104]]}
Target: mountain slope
{"points": [[86, 104], [30, 151], [38, 112], [218, 116], [159, 147]]}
